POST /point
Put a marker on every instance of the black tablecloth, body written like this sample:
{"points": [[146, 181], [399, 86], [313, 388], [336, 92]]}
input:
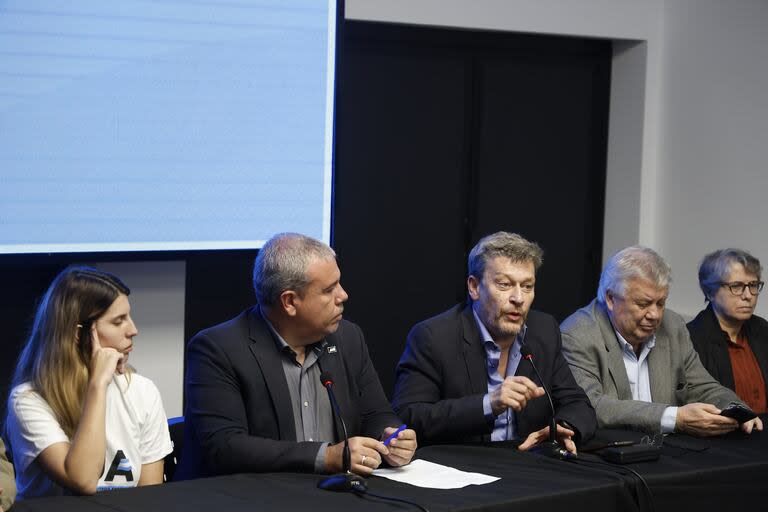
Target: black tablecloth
{"points": [[692, 474], [526, 481], [723, 473]]}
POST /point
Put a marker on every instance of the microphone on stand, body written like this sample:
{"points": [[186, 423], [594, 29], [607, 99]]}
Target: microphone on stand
{"points": [[551, 448], [345, 481]]}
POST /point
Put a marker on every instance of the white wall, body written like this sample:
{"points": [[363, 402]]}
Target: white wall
{"points": [[713, 183], [618, 19]]}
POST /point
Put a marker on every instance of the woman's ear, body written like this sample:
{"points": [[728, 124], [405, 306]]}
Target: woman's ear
{"points": [[77, 332]]}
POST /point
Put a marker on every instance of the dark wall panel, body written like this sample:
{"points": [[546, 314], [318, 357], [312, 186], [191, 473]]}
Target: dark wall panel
{"points": [[218, 287], [539, 160], [400, 198]]}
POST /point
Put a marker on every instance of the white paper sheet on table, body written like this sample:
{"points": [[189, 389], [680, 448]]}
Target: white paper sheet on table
{"points": [[423, 473]]}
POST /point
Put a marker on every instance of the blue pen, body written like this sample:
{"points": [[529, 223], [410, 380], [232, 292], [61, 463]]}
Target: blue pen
{"points": [[394, 434]]}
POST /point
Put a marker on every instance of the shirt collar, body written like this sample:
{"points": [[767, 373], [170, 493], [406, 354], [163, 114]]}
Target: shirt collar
{"points": [[283, 346], [647, 346]]}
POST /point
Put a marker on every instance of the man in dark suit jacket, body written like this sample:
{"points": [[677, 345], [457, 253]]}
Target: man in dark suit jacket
{"points": [[462, 377], [254, 401]]}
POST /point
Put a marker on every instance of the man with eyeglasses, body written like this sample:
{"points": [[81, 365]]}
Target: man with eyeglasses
{"points": [[731, 340], [636, 361]]}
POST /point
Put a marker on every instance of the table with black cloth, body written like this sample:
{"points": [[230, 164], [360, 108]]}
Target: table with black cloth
{"points": [[692, 474], [526, 481], [724, 473]]}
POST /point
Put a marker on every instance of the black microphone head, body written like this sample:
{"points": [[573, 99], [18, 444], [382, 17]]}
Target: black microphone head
{"points": [[326, 378], [525, 351]]}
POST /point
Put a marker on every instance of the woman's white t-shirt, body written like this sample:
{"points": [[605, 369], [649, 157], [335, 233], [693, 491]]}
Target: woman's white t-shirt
{"points": [[136, 434]]}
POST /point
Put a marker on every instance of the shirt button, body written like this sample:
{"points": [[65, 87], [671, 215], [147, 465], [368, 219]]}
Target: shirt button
{"points": [[306, 404]]}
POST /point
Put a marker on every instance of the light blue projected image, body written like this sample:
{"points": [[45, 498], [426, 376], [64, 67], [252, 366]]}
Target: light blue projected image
{"points": [[164, 125]]}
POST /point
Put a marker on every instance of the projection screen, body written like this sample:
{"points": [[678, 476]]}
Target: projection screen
{"points": [[164, 125]]}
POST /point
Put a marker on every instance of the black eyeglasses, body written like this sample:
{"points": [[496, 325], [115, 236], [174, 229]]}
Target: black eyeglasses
{"points": [[737, 287]]}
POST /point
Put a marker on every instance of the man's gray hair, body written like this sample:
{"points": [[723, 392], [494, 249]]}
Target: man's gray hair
{"points": [[282, 265], [634, 262], [501, 243], [716, 266]]}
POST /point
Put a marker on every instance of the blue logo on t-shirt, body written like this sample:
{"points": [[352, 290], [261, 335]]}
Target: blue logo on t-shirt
{"points": [[120, 466]]}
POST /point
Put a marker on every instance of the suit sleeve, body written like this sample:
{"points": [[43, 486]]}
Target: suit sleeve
{"points": [[216, 408], [588, 363], [570, 401], [419, 394], [700, 385]]}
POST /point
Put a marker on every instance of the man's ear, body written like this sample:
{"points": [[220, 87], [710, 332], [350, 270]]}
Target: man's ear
{"points": [[473, 285], [609, 300], [288, 301]]}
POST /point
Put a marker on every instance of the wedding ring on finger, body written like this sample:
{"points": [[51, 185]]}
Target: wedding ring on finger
{"points": [[363, 460]]}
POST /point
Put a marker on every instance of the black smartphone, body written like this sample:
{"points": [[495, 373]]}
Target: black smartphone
{"points": [[739, 412]]}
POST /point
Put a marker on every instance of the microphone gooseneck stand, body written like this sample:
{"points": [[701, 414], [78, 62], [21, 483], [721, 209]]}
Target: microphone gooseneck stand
{"points": [[346, 480], [552, 448]]}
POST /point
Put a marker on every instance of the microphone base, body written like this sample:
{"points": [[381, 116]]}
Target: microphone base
{"points": [[343, 482], [553, 450]]}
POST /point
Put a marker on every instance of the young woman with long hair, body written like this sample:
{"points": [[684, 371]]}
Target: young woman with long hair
{"points": [[79, 419]]}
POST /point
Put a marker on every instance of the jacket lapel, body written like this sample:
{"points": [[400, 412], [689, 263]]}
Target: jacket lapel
{"points": [[474, 352], [616, 368], [757, 337], [714, 347], [264, 349], [660, 370]]}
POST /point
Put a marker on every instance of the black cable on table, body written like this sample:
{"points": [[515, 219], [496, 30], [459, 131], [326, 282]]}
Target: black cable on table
{"points": [[363, 493]]}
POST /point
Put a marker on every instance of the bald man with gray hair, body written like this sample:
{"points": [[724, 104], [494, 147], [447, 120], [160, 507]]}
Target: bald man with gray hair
{"points": [[635, 360]]}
